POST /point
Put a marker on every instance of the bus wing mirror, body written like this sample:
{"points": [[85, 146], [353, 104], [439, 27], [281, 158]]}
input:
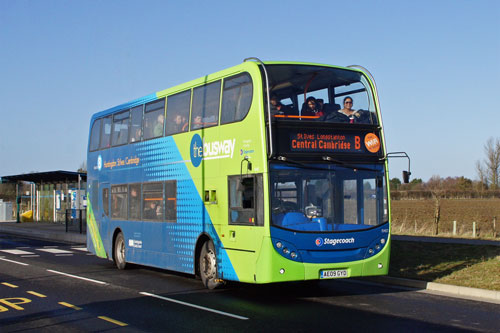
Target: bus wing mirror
{"points": [[406, 174], [406, 177]]}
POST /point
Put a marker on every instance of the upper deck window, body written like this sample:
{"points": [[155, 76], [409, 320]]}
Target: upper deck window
{"points": [[105, 133], [154, 118], [178, 112], [205, 109], [120, 128], [95, 134], [135, 132], [316, 93], [236, 98]]}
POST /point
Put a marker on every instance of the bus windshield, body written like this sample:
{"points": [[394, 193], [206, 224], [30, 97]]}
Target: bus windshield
{"points": [[316, 93], [328, 197]]}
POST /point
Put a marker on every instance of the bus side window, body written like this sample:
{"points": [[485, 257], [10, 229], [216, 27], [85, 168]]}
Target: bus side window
{"points": [[105, 133], [236, 98], [135, 131], [152, 196], [154, 118], [120, 128], [205, 108], [246, 200], [171, 201], [105, 201], [135, 202], [119, 200], [178, 112], [95, 134]]}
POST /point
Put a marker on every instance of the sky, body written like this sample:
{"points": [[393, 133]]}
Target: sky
{"points": [[436, 65]]}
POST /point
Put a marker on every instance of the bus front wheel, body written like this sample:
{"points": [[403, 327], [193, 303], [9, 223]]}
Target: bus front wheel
{"points": [[208, 266], [119, 252]]}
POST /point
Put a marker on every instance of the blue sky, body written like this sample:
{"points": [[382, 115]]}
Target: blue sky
{"points": [[436, 64]]}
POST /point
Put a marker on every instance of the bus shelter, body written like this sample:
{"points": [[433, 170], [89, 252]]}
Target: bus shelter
{"points": [[48, 196]]}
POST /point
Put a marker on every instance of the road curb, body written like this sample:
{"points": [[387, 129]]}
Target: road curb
{"points": [[490, 296]]}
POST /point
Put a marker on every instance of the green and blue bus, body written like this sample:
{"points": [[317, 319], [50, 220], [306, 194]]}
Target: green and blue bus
{"points": [[254, 174]]}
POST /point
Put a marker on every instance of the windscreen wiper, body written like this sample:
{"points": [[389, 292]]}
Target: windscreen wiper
{"points": [[344, 164]]}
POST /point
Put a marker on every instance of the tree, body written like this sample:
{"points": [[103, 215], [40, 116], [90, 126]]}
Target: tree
{"points": [[435, 185], [488, 171], [83, 167], [394, 183]]}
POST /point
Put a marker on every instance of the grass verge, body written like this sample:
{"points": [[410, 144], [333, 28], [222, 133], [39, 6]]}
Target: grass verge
{"points": [[475, 266]]}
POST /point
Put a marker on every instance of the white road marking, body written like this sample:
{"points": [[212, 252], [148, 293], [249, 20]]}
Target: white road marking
{"points": [[194, 306], [84, 249], [77, 277], [17, 252], [55, 251], [64, 255], [30, 256], [15, 262]]}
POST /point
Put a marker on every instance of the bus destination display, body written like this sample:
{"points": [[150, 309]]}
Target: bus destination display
{"points": [[305, 141]]}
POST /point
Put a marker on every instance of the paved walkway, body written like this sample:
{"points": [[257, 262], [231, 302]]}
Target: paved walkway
{"points": [[43, 230]]}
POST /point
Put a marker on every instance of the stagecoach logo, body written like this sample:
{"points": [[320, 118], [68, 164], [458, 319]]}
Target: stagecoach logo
{"points": [[99, 163], [209, 150], [334, 241]]}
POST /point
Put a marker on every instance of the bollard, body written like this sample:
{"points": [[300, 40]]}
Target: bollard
{"points": [[473, 229], [454, 228]]}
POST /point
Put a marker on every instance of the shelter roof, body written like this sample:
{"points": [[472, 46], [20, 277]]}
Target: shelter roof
{"points": [[47, 177]]}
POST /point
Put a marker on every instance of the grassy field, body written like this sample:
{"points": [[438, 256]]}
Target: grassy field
{"points": [[476, 266], [417, 217]]}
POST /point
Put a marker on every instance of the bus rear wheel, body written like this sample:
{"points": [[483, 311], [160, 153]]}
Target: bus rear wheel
{"points": [[119, 252], [208, 266]]}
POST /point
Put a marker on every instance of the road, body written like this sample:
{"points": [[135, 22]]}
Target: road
{"points": [[47, 286]]}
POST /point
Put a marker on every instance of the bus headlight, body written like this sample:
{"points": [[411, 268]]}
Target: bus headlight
{"points": [[279, 245], [286, 250], [293, 255]]}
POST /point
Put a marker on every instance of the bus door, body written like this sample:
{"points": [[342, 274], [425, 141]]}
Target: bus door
{"points": [[102, 216], [244, 230]]}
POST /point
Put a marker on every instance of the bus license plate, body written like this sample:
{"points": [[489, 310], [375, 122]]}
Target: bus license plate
{"points": [[333, 274]]}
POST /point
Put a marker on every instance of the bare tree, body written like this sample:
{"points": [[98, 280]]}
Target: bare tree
{"points": [[489, 170], [83, 167], [435, 185], [481, 173]]}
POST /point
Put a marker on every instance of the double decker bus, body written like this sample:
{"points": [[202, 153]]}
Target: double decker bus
{"points": [[253, 174]]}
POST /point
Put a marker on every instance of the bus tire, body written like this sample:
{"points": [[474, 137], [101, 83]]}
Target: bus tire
{"points": [[208, 266], [119, 252]]}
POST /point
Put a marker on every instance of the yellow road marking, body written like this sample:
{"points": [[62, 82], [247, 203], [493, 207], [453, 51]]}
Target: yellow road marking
{"points": [[36, 294], [9, 285], [119, 323], [70, 305]]}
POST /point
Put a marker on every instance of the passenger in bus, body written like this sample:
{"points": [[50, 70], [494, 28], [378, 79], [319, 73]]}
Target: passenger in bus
{"points": [[310, 108], [137, 136], [321, 105], [196, 122], [180, 123], [276, 107], [150, 212], [158, 129], [348, 114]]}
